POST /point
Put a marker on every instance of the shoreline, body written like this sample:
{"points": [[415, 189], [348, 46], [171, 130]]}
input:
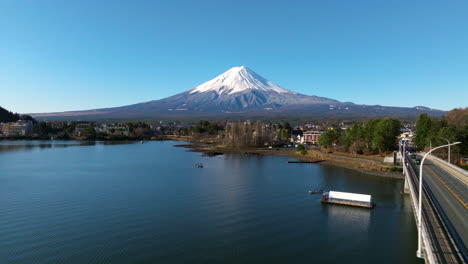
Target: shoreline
{"points": [[365, 166]]}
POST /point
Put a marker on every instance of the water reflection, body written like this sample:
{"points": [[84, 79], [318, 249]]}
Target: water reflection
{"points": [[25, 145], [353, 219]]}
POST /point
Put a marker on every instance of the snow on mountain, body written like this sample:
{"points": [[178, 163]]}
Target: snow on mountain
{"points": [[238, 79], [238, 89]]}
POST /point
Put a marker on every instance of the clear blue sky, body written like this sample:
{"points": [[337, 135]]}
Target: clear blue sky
{"points": [[76, 55]]}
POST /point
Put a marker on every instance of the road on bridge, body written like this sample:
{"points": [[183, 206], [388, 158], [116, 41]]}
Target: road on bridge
{"points": [[451, 193]]}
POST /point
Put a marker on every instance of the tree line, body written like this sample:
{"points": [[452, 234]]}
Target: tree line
{"points": [[373, 136], [436, 131], [256, 134]]}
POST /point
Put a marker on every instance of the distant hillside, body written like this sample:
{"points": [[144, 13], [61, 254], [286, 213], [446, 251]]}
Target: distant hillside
{"points": [[458, 117]]}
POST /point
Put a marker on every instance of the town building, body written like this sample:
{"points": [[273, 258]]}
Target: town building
{"points": [[5, 128], [83, 129], [311, 137], [115, 129], [464, 161], [18, 128]]}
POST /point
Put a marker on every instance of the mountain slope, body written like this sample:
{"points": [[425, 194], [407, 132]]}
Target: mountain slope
{"points": [[237, 91]]}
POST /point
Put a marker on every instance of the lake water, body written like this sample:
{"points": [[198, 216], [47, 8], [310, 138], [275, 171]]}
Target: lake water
{"points": [[62, 202]]}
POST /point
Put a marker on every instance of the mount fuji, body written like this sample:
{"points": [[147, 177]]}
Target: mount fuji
{"points": [[238, 89], [244, 93]]}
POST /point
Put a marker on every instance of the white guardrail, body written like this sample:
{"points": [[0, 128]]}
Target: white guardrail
{"points": [[429, 256]]}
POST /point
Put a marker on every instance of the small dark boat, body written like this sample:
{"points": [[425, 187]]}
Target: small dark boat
{"points": [[199, 165], [316, 192]]}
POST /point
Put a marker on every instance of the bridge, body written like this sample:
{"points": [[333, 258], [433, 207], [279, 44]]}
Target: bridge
{"points": [[443, 230]]}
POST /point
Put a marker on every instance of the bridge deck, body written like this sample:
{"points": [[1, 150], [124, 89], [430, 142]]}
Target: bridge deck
{"points": [[443, 246]]}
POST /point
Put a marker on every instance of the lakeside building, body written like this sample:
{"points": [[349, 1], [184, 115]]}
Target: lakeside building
{"points": [[296, 135], [82, 129], [311, 137], [18, 128], [5, 128], [115, 129]]}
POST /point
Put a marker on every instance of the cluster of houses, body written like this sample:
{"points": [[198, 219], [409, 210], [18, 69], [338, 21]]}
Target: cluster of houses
{"points": [[26, 128], [305, 137], [407, 134], [116, 129], [309, 133], [84, 129], [306, 134], [18, 128]]}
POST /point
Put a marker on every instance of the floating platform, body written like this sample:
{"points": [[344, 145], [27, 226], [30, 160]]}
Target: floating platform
{"points": [[344, 198]]}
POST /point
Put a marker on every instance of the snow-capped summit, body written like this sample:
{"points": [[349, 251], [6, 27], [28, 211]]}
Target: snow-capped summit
{"points": [[238, 79]]}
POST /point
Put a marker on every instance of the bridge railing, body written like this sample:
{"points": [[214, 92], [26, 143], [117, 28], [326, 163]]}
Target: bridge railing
{"points": [[429, 256]]}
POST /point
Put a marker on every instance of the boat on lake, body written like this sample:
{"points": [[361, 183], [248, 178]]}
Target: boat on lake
{"points": [[345, 198]]}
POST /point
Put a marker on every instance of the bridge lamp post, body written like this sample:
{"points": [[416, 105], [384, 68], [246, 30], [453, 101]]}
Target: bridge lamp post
{"points": [[400, 145], [448, 149], [419, 253], [403, 158], [430, 144]]}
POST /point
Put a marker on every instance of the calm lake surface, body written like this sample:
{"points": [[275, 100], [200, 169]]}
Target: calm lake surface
{"points": [[63, 202]]}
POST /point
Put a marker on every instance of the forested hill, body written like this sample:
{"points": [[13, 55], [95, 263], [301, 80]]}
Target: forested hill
{"points": [[7, 116]]}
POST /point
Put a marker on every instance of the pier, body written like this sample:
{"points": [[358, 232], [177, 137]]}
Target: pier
{"points": [[299, 161]]}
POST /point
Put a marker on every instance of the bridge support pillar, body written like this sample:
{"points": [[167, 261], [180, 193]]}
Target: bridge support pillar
{"points": [[406, 188]]}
